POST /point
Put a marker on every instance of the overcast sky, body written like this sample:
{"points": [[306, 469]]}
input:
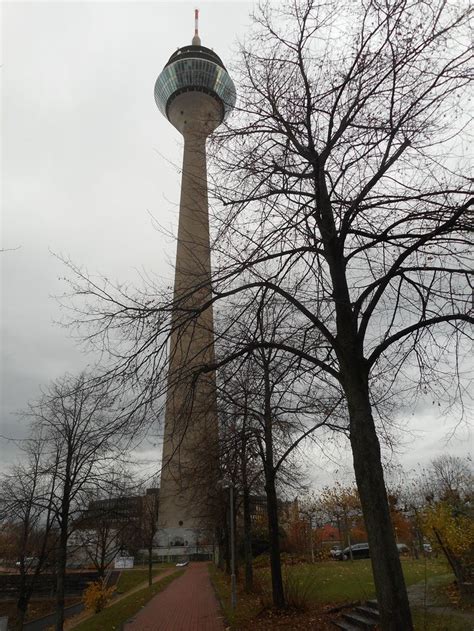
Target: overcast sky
{"points": [[87, 163]]}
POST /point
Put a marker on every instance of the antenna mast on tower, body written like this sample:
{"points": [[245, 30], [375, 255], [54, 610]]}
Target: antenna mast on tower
{"points": [[196, 39]]}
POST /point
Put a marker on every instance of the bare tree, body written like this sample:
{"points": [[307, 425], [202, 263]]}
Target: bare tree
{"points": [[237, 458], [440, 501], [342, 177], [449, 478], [26, 509], [111, 518], [338, 175], [149, 524], [77, 424], [274, 412]]}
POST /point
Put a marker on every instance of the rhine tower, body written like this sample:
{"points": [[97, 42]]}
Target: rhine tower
{"points": [[195, 93]]}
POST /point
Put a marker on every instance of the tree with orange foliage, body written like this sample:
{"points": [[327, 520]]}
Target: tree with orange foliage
{"points": [[447, 519], [298, 534], [342, 506]]}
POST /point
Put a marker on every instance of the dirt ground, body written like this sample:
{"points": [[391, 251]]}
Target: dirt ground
{"points": [[38, 608], [308, 621]]}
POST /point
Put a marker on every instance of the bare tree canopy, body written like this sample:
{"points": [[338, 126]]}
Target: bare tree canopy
{"points": [[27, 518], [77, 424], [345, 192], [345, 151], [347, 197]]}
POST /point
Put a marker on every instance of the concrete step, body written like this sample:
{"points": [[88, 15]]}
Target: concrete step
{"points": [[343, 624], [370, 612], [364, 616], [360, 621]]}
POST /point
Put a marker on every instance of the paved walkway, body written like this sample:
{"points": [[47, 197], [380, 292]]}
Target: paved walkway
{"points": [[187, 604], [427, 598], [85, 614]]}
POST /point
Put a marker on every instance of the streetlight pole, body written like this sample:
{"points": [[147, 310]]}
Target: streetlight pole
{"points": [[228, 484], [311, 542]]}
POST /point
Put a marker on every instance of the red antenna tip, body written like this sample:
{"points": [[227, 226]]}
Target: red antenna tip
{"points": [[196, 41]]}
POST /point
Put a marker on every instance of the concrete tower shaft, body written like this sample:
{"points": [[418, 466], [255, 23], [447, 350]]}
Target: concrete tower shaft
{"points": [[190, 440], [195, 93], [195, 114]]}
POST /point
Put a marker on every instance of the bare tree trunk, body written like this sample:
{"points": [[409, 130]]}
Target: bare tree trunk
{"points": [[274, 536], [246, 507], [150, 565], [247, 541], [272, 501], [341, 538], [23, 593], [221, 542], [452, 560], [389, 580], [226, 546], [311, 539], [26, 587], [62, 553], [61, 579], [102, 562], [22, 608], [388, 575]]}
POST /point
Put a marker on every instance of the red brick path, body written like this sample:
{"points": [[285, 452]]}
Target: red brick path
{"points": [[187, 604]]}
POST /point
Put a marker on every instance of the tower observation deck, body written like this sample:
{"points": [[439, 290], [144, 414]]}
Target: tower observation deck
{"points": [[195, 93], [194, 68]]}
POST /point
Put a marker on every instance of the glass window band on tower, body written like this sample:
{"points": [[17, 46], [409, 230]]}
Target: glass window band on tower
{"points": [[194, 70]]}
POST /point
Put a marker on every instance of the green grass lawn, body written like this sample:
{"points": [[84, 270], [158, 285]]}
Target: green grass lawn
{"points": [[131, 578], [328, 583], [248, 604], [111, 618], [426, 621], [446, 616], [333, 582]]}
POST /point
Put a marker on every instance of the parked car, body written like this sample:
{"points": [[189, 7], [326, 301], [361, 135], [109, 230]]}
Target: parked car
{"points": [[335, 551], [74, 565], [29, 562], [182, 563], [359, 551], [403, 548]]}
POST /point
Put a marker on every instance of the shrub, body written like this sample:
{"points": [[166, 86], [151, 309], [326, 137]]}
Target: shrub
{"points": [[96, 596], [451, 529], [292, 559], [263, 589], [297, 583], [262, 561]]}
